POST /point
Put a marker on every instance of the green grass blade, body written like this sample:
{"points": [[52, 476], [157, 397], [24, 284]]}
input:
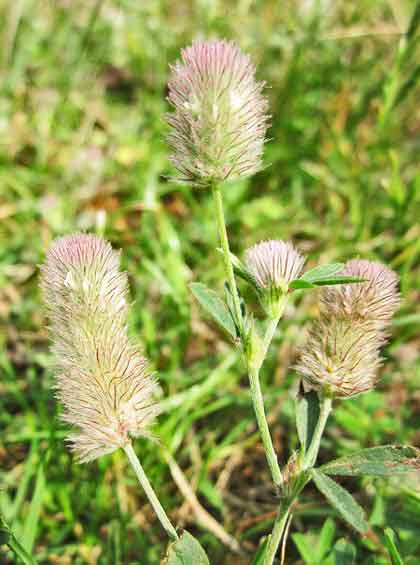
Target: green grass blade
{"points": [[30, 527]]}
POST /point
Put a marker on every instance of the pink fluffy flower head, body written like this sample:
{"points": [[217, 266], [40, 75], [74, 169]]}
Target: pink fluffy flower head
{"points": [[340, 357], [219, 120], [273, 265], [102, 380], [376, 299]]}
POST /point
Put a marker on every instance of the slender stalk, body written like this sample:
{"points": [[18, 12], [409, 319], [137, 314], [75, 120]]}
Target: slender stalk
{"points": [[282, 521], [224, 241], [270, 331], [253, 372], [277, 533], [150, 493], [258, 402], [312, 453], [272, 326]]}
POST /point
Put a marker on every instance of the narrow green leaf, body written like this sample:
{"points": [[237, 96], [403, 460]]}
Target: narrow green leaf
{"points": [[322, 271], [337, 279], [185, 551], [24, 482], [307, 414], [7, 538], [391, 546], [342, 501], [343, 553], [212, 304], [305, 548], [414, 22], [324, 275], [240, 270], [300, 284], [379, 461], [326, 538], [261, 552], [407, 320], [31, 523]]}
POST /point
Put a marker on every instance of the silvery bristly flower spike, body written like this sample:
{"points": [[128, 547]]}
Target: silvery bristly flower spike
{"points": [[220, 117]]}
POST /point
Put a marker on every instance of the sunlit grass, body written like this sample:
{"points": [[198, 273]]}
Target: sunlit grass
{"points": [[82, 147]]}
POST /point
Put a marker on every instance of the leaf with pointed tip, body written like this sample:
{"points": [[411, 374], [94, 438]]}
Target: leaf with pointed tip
{"points": [[337, 279], [380, 461], [326, 537], [185, 551], [324, 275], [307, 413], [261, 552], [300, 284], [342, 501], [211, 303], [343, 553], [322, 271]]}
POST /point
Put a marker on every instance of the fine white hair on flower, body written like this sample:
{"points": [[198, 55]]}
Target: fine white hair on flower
{"points": [[102, 381], [377, 299], [219, 120], [273, 263], [341, 356]]}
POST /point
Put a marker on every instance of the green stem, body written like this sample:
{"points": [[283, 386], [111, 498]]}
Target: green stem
{"points": [[253, 372], [312, 453], [269, 334], [277, 533], [258, 402], [224, 241], [272, 326], [150, 493]]}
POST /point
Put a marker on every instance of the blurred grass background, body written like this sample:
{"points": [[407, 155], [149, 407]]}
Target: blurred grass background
{"points": [[82, 147]]}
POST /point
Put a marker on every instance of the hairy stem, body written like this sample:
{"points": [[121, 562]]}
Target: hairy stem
{"points": [[150, 493], [277, 534], [253, 372], [312, 453], [284, 516], [224, 241], [258, 402]]}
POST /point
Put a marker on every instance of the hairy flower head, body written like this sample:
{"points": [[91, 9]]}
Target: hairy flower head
{"points": [[273, 263], [376, 299], [340, 356], [219, 120], [102, 380]]}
